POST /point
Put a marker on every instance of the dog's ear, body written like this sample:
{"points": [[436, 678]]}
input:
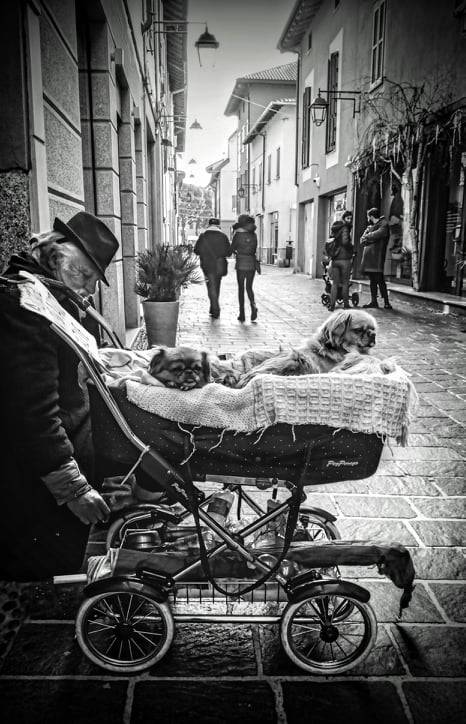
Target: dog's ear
{"points": [[158, 360], [206, 366], [337, 326]]}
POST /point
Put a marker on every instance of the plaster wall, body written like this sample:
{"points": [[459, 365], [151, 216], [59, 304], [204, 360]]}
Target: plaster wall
{"points": [[280, 194]]}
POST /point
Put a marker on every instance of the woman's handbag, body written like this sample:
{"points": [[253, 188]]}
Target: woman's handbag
{"points": [[222, 266], [257, 265]]}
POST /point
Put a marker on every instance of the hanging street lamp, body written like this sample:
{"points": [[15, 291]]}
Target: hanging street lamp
{"points": [[206, 44]]}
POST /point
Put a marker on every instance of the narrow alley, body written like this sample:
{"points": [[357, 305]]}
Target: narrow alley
{"points": [[239, 673]]}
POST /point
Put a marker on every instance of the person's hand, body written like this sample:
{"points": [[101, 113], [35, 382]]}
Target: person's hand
{"points": [[90, 508]]}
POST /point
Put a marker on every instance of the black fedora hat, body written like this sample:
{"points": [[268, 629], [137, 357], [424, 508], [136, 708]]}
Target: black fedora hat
{"points": [[92, 236]]}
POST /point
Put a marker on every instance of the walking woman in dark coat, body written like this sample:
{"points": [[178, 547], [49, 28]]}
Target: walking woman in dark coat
{"points": [[244, 245], [46, 451]]}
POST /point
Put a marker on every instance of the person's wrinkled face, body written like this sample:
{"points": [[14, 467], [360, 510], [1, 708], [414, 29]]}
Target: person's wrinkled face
{"points": [[76, 270]]}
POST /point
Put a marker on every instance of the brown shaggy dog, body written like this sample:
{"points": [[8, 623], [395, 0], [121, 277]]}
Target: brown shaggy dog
{"points": [[343, 332]]}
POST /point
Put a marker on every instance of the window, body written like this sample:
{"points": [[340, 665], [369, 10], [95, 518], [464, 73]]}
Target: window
{"points": [[254, 181], [269, 168], [378, 42], [309, 41], [260, 176], [277, 166], [233, 203], [306, 140], [332, 85]]}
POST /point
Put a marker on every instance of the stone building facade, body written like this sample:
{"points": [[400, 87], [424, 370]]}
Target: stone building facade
{"points": [[90, 83], [361, 47]]}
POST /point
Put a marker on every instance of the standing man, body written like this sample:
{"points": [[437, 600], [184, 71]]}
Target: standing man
{"points": [[213, 247], [374, 242], [288, 253]]}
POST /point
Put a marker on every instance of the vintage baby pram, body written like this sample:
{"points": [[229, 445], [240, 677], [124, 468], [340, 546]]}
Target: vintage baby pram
{"points": [[159, 571], [326, 295]]}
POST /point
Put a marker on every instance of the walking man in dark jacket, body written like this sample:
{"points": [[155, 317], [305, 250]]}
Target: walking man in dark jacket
{"points": [[374, 242], [213, 247]]}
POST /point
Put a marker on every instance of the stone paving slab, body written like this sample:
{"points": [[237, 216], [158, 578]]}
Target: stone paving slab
{"points": [[46, 701], [203, 702], [432, 702], [343, 702], [240, 673]]}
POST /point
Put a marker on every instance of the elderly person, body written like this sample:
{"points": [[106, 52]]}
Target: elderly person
{"points": [[48, 501]]}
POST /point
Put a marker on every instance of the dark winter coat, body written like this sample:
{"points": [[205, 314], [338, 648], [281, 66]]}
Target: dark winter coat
{"points": [[374, 242], [45, 421], [341, 238], [244, 245], [211, 245]]}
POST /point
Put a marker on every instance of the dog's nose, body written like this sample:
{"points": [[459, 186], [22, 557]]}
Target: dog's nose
{"points": [[371, 333]]}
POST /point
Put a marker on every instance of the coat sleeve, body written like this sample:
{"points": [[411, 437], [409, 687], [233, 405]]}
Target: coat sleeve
{"points": [[234, 245], [226, 247], [29, 385], [198, 244]]}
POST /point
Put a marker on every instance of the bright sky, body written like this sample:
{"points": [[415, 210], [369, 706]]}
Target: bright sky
{"points": [[248, 33]]}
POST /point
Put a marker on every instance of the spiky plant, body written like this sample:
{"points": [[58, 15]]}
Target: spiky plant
{"points": [[163, 271]]}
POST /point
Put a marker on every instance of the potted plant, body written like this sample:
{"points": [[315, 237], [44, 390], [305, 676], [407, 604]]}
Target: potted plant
{"points": [[161, 273]]}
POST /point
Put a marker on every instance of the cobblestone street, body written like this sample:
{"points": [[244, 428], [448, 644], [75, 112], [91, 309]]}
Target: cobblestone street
{"points": [[220, 673]]}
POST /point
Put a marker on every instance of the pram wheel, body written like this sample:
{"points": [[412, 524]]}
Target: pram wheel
{"points": [[124, 629], [328, 633], [355, 299], [325, 299]]}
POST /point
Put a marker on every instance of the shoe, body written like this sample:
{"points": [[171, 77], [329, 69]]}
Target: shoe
{"points": [[387, 305], [371, 305], [215, 316], [241, 318], [253, 313]]}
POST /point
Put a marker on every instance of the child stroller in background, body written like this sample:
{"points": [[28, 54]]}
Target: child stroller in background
{"points": [[339, 255], [326, 296]]}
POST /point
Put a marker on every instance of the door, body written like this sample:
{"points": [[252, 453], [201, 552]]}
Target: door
{"points": [[308, 264]]}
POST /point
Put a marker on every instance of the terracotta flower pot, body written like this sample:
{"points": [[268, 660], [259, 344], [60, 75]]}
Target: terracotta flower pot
{"points": [[161, 320]]}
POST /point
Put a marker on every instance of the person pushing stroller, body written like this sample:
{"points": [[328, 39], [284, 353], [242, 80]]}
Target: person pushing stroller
{"points": [[340, 250]]}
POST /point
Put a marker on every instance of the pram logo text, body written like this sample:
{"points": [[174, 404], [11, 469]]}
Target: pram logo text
{"points": [[339, 463]]}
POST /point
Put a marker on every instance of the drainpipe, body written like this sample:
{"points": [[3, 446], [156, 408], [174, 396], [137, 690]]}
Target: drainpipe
{"points": [[298, 98], [249, 157], [263, 168]]}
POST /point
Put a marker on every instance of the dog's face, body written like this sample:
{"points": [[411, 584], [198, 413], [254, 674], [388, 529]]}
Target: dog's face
{"points": [[181, 367], [349, 330]]}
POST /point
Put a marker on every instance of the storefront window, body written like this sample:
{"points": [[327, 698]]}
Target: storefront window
{"points": [[453, 264]]}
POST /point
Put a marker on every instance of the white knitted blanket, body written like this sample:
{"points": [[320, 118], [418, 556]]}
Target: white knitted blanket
{"points": [[371, 403]]}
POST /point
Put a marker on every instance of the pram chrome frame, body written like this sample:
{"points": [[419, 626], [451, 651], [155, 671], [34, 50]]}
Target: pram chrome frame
{"points": [[317, 607]]}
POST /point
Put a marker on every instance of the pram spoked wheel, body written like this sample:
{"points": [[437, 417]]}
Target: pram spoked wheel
{"points": [[124, 628], [328, 633], [355, 299]]}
